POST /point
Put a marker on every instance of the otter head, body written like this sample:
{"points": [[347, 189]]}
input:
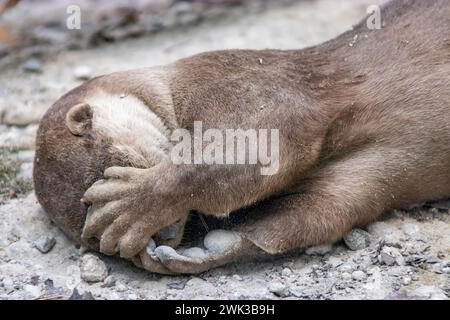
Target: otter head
{"points": [[82, 134]]}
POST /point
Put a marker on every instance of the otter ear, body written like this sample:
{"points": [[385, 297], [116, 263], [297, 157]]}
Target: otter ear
{"points": [[79, 119]]}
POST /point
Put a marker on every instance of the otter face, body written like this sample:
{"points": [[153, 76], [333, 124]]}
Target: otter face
{"points": [[81, 135]]}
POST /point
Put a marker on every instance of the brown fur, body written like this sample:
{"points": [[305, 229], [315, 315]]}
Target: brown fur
{"points": [[363, 129]]}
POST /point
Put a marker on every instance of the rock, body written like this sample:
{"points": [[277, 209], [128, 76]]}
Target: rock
{"points": [[132, 296], [279, 289], [357, 239], [391, 256], [237, 277], [82, 73], [177, 285], [120, 287], [151, 247], [220, 240], [109, 281], [32, 65], [32, 291], [200, 287], [334, 262], [93, 269], [8, 283], [86, 295], [319, 250], [446, 267], [286, 272], [45, 243], [347, 267], [359, 275], [406, 281]]}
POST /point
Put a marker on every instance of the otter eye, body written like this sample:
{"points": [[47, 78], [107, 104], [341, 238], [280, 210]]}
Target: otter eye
{"points": [[79, 119]]}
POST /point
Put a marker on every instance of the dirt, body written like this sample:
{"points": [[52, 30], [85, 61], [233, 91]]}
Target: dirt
{"points": [[407, 254]]}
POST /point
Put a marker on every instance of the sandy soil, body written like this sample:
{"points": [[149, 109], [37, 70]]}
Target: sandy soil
{"points": [[407, 257]]}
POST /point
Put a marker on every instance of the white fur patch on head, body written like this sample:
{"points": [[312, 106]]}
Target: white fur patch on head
{"points": [[137, 134]]}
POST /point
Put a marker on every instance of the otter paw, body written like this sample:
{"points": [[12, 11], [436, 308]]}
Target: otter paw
{"points": [[220, 247]]}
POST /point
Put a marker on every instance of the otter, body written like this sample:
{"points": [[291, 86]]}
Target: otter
{"points": [[364, 128]]}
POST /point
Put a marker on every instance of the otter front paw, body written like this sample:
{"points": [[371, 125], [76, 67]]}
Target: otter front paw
{"points": [[128, 209]]}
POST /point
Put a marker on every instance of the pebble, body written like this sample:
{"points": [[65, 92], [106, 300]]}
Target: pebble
{"points": [[93, 269], [237, 277], [8, 283], [220, 240], [177, 285], [391, 256], [120, 287], [407, 281], [319, 250], [334, 262], [347, 267], [446, 267], [33, 291], [359, 275], [151, 247], [45, 243], [109, 281], [279, 289], [357, 239], [32, 65], [286, 272], [82, 73]]}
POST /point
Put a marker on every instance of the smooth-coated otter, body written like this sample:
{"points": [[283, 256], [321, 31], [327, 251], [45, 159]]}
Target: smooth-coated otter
{"points": [[364, 127]]}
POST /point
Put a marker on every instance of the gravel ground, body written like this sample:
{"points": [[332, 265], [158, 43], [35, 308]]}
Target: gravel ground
{"points": [[405, 256]]}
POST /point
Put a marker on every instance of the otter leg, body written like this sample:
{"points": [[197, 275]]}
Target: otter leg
{"points": [[321, 210], [220, 247]]}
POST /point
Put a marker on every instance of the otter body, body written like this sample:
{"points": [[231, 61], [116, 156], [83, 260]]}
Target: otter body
{"points": [[364, 127]]}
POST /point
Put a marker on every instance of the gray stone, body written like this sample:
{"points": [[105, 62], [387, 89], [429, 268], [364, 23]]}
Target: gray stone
{"points": [[32, 291], [357, 239], [334, 262], [93, 269], [359, 275], [110, 281], [279, 289], [406, 281], [45, 243], [151, 247], [391, 256], [286, 272], [220, 240], [237, 277], [8, 283], [32, 65]]}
